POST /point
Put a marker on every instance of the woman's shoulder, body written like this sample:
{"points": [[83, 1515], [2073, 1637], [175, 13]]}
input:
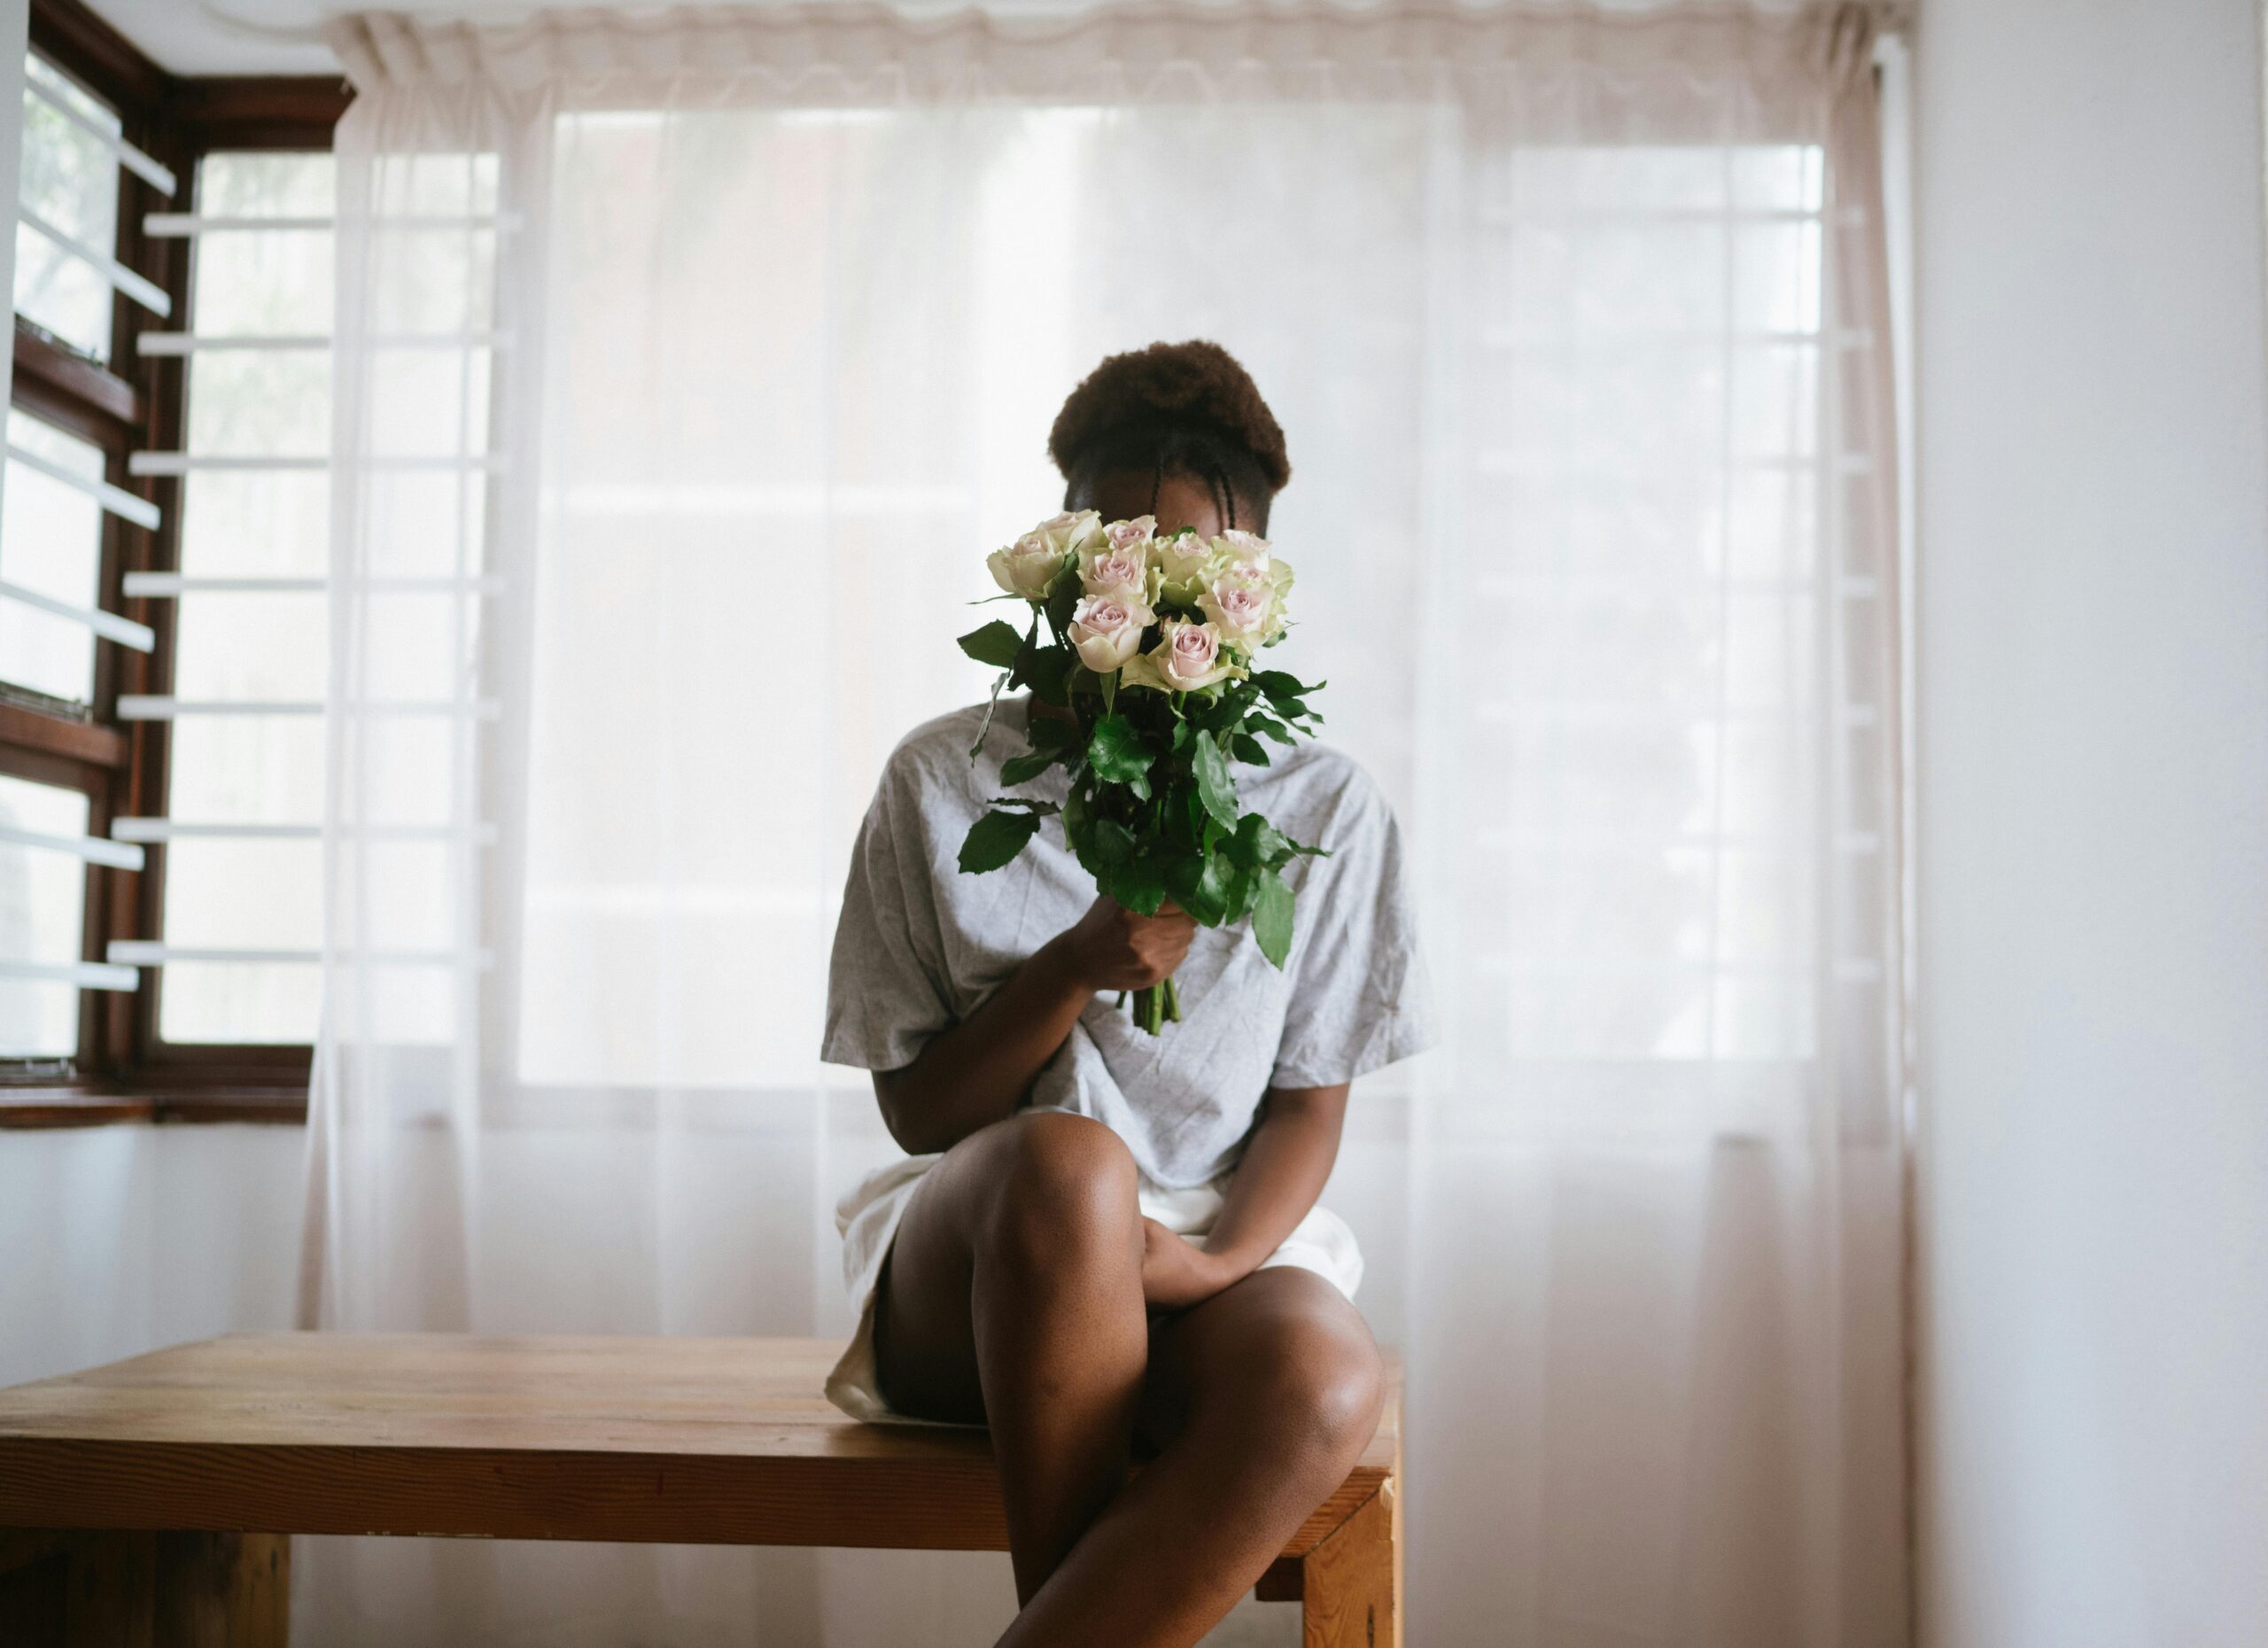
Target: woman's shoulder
{"points": [[934, 758], [1316, 787], [1316, 766]]}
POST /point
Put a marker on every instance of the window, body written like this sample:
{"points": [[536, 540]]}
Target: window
{"points": [[242, 907], [66, 226], [162, 547], [50, 561], [42, 906], [61, 530]]}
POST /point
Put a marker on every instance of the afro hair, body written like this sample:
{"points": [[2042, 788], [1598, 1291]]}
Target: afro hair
{"points": [[1153, 396]]}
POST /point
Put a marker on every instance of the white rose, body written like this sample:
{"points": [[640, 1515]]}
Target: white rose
{"points": [[1185, 564], [1242, 606], [1243, 548], [1279, 578], [1187, 658], [1106, 632], [1071, 531], [1029, 566]]}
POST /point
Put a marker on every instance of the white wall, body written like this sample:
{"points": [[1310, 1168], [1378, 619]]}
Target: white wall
{"points": [[2093, 680], [123, 1238]]}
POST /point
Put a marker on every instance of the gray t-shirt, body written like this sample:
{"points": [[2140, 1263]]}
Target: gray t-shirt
{"points": [[920, 945]]}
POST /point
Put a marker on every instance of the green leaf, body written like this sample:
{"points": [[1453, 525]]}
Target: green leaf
{"points": [[1215, 787], [1243, 885], [996, 838], [1199, 885], [1276, 730], [1063, 600], [1257, 843], [1046, 732], [1280, 684], [1250, 750], [1271, 917], [1116, 752], [1024, 768], [1043, 670], [997, 644], [1138, 885], [1114, 843]]}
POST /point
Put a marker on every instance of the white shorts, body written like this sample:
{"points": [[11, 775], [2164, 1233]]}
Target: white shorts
{"points": [[868, 1218]]}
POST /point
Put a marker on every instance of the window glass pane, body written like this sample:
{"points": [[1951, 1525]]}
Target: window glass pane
{"points": [[262, 646], [210, 898], [265, 280], [70, 180], [263, 893], [266, 185], [271, 282], [259, 402], [242, 523], [50, 543], [42, 911], [244, 769], [257, 1002]]}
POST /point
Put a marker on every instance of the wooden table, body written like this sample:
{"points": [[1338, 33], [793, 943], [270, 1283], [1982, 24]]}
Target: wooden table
{"points": [[151, 1500]]}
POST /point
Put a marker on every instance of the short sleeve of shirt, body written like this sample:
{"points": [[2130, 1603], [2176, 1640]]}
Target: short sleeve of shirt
{"points": [[886, 983], [1359, 996]]}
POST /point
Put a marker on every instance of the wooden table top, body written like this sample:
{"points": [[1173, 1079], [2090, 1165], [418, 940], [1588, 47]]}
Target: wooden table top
{"points": [[692, 1441]]}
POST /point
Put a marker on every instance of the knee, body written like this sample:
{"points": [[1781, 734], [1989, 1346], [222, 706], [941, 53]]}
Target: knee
{"points": [[1322, 1386], [1066, 1193]]}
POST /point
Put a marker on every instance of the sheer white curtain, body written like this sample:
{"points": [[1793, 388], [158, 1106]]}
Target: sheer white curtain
{"points": [[687, 367]]}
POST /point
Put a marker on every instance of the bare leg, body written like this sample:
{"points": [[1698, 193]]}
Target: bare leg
{"points": [[1013, 1295], [1269, 1391]]}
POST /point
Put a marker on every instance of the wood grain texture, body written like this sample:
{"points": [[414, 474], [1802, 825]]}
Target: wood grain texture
{"points": [[65, 735], [1285, 1581], [68, 1589], [1350, 1588], [222, 1591], [680, 1440]]}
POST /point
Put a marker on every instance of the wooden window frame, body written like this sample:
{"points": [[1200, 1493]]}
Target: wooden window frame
{"points": [[125, 1071]]}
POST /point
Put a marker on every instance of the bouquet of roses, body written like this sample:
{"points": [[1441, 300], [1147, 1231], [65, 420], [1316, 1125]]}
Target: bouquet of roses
{"points": [[1150, 643]]}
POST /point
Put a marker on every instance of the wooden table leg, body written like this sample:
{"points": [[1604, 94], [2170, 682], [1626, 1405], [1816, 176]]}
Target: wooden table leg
{"points": [[1350, 1585], [223, 1590], [89, 1589]]}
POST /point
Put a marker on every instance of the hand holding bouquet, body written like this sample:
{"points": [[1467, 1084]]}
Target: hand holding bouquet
{"points": [[1150, 644]]}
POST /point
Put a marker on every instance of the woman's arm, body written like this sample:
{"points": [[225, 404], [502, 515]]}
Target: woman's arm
{"points": [[1285, 1164], [980, 1069]]}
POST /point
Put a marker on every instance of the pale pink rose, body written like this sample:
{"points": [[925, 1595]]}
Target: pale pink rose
{"points": [[1126, 534], [1187, 658], [1242, 606], [1106, 632], [1122, 574]]}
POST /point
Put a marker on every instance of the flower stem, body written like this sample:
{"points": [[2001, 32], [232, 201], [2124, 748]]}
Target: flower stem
{"points": [[1173, 1002]]}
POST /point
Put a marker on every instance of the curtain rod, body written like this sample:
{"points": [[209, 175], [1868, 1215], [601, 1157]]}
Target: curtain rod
{"points": [[381, 49]]}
